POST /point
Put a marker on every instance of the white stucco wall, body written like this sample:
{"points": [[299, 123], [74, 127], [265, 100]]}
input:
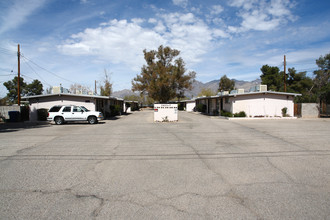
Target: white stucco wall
{"points": [[263, 104], [190, 106]]}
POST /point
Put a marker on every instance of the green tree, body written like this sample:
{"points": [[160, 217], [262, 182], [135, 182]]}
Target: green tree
{"points": [[11, 86], [106, 88], [206, 92], [163, 78], [272, 77], [322, 78], [34, 88], [226, 84], [300, 83]]}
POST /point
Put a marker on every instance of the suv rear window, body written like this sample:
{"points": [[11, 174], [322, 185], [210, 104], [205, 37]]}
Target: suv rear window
{"points": [[55, 108]]}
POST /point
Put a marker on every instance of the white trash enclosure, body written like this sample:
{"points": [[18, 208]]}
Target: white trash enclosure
{"points": [[165, 112]]}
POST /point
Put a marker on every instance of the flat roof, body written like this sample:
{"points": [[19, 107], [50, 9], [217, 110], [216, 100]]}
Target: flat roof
{"points": [[73, 95], [250, 93]]}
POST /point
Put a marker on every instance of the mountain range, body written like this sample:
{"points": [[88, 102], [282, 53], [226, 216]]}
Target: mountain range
{"points": [[197, 87]]}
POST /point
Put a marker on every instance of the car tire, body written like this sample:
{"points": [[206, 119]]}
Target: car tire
{"points": [[59, 120], [92, 120]]}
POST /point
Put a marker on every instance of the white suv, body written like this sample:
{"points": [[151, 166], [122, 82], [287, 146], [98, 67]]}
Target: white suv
{"points": [[61, 114]]}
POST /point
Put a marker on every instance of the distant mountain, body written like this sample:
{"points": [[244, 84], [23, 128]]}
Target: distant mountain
{"points": [[198, 86], [123, 93]]}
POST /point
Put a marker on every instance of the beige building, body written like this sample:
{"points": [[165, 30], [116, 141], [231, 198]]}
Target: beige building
{"points": [[254, 104]]}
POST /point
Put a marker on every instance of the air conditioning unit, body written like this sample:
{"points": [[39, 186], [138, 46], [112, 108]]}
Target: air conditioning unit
{"points": [[263, 88], [56, 90], [240, 91], [259, 88]]}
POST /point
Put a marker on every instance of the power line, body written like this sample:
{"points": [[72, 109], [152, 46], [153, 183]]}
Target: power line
{"points": [[46, 69], [36, 72]]}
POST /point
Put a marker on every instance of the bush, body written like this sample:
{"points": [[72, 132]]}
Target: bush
{"points": [[240, 114], [226, 114], [215, 112], [284, 111], [42, 114], [115, 110], [201, 108]]}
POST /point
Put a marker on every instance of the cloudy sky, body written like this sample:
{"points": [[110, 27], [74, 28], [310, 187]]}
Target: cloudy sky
{"points": [[74, 41]]}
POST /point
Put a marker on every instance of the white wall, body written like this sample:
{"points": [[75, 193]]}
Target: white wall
{"points": [[190, 106], [263, 104]]}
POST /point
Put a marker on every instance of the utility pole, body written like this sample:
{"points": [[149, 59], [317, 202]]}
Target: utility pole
{"points": [[284, 73], [95, 88], [19, 76]]}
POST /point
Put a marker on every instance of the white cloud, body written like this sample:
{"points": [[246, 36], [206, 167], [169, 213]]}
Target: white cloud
{"points": [[122, 41], [181, 3], [119, 41], [17, 13], [262, 15], [216, 9]]}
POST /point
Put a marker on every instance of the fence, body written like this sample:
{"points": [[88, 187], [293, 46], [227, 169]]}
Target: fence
{"points": [[325, 110], [311, 110], [23, 112], [5, 109]]}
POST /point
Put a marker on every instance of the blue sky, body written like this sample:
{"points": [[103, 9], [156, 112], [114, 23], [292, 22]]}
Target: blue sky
{"points": [[74, 41]]}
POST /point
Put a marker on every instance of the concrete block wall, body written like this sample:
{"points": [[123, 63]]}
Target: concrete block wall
{"points": [[309, 110]]}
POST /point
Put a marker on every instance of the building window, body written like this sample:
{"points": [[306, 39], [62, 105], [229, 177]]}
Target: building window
{"points": [[226, 100]]}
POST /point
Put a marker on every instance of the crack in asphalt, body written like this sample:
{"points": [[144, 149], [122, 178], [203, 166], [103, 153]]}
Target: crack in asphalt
{"points": [[280, 170], [233, 193]]}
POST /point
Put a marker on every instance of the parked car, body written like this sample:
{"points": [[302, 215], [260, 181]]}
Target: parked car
{"points": [[68, 113]]}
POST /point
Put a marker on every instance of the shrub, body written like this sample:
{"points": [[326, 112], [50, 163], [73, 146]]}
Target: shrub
{"points": [[215, 112], [201, 108], [240, 114], [42, 114], [226, 114], [284, 111], [115, 110]]}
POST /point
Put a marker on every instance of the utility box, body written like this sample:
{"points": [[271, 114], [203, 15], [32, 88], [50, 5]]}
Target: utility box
{"points": [[165, 112]]}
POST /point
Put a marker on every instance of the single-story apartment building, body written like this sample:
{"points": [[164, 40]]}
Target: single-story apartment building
{"points": [[255, 104], [91, 102]]}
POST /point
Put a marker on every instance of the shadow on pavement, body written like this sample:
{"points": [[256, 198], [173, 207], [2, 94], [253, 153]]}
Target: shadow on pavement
{"points": [[16, 126]]}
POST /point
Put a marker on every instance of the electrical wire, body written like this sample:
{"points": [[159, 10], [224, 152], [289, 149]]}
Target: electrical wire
{"points": [[36, 72], [6, 51], [46, 69]]}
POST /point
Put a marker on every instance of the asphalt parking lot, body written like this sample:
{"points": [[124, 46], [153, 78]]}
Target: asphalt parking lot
{"points": [[198, 168]]}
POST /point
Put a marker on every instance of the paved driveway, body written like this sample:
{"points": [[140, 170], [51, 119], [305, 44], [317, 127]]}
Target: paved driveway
{"points": [[198, 168]]}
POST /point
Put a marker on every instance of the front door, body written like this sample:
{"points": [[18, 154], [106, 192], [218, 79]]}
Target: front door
{"points": [[78, 113]]}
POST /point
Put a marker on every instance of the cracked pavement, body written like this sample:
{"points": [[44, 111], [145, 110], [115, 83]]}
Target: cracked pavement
{"points": [[198, 168]]}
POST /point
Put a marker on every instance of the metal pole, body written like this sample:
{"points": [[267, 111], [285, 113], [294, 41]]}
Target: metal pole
{"points": [[19, 76], [284, 73]]}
